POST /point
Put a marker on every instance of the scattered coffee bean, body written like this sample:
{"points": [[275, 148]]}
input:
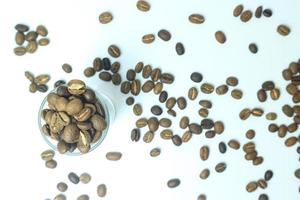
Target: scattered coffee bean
{"points": [[246, 16], [237, 94], [85, 178], [73, 178], [205, 103], [42, 30], [271, 116], [31, 47], [83, 197], [137, 109], [232, 81], [219, 127], [234, 144], [245, 114], [67, 68], [114, 51], [268, 85], [262, 183], [60, 197], [20, 38], [136, 87], [297, 173], [155, 74], [106, 64], [184, 122], [105, 17], [186, 136], [164, 35], [207, 123], [101, 190], [176, 140], [165, 122], [97, 64], [113, 156], [204, 174], [196, 77], [47, 155], [250, 134], [115, 67], [180, 50], [220, 37], [62, 187], [163, 97], [257, 112], [172, 183], [89, 72], [207, 88], [203, 112], [181, 103], [148, 137], [167, 78], [288, 110], [192, 93], [139, 67], [275, 94], [105, 76], [222, 89], [204, 153], [148, 38], [267, 12], [130, 101], [116, 79], [291, 141], [258, 160], [201, 197], [135, 135], [222, 147], [258, 12], [155, 152], [31, 36], [196, 18], [262, 95], [166, 134], [195, 128], [22, 27], [251, 187], [172, 112], [263, 197], [20, 51], [220, 167], [125, 87], [253, 48], [210, 134], [238, 10], [153, 124]]}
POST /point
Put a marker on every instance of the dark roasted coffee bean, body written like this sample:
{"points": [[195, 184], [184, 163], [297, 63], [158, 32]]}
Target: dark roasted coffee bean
{"points": [[273, 128], [116, 79], [115, 67], [137, 109], [258, 12], [287, 74], [297, 173], [97, 64], [267, 12], [155, 152], [31, 36], [106, 63], [220, 37], [257, 112], [20, 51], [135, 135], [176, 140], [73, 178], [180, 50], [246, 16], [222, 89], [147, 70], [172, 183], [238, 10], [237, 94], [130, 101], [22, 27], [181, 103], [125, 87], [250, 134], [114, 51], [263, 197], [232, 81], [135, 87], [148, 38], [204, 174], [105, 17], [251, 187], [196, 18], [207, 123], [210, 134], [156, 110], [42, 88], [195, 128], [234, 144], [220, 167], [288, 110], [163, 96], [282, 130], [207, 88], [262, 95], [167, 78], [164, 35], [105, 76], [192, 93], [222, 147], [253, 48], [20, 38], [268, 85], [292, 127], [155, 74], [291, 141], [196, 77], [67, 68], [143, 5], [89, 72], [258, 160], [292, 89], [204, 153], [249, 147]]}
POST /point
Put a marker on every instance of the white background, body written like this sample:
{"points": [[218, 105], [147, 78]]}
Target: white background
{"points": [[77, 38]]}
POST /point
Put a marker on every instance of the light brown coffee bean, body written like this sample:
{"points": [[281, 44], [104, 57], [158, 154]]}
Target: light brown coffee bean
{"points": [[184, 122], [192, 93], [262, 95], [273, 128], [250, 134], [238, 10], [283, 30], [251, 155], [167, 78], [204, 174], [292, 127], [139, 67], [165, 122], [51, 164], [275, 94], [253, 48], [258, 12], [137, 109], [258, 160], [288, 110], [115, 67], [166, 134], [296, 97], [249, 147], [172, 112], [222, 89], [155, 74], [148, 86], [62, 187], [143, 6], [47, 155], [201, 197], [89, 72], [246, 16], [42, 30], [20, 38], [148, 137], [33, 87], [31, 47], [262, 183], [196, 18], [130, 75], [271, 116], [31, 36], [186, 136], [204, 153], [164, 34], [237, 94], [60, 197], [287, 74], [155, 152], [148, 38], [62, 147], [220, 167], [20, 51], [125, 87], [98, 122], [291, 141], [158, 88], [251, 187], [282, 130], [42, 79], [67, 68], [234, 144], [195, 128], [245, 114], [220, 37], [257, 112], [97, 64], [136, 87], [105, 17], [219, 127], [170, 103], [114, 51], [232, 81], [102, 190], [207, 88], [292, 89], [205, 103], [113, 156], [181, 103], [203, 112]]}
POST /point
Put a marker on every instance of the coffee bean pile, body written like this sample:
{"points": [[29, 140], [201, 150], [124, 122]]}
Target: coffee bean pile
{"points": [[31, 37], [37, 83]]}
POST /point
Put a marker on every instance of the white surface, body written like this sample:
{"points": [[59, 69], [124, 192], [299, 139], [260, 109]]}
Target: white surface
{"points": [[77, 37]]}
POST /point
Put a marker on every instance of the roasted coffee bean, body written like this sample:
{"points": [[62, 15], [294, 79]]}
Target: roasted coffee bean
{"points": [[296, 97], [97, 64], [115, 67], [20, 38], [258, 12], [163, 96], [135, 135], [125, 87], [193, 93], [33, 87], [204, 153], [222, 147], [31, 47], [116, 79], [207, 88], [106, 64], [113, 156], [263, 197], [148, 137], [139, 67], [153, 124], [60, 197], [268, 175], [210, 134], [195, 128], [250, 134], [297, 119], [245, 114], [62, 147], [147, 71], [219, 127], [158, 88], [234, 144], [42, 30], [67, 68], [130, 101], [98, 122], [222, 89], [114, 51], [166, 134], [42, 88], [101, 190], [253, 48], [47, 155], [177, 141], [184, 122], [287, 74], [186, 136], [156, 110], [167, 78], [297, 173], [83, 197], [220, 37], [273, 128], [170, 103], [29, 76], [155, 74], [105, 17], [155, 152], [262, 95], [143, 5], [205, 103], [136, 87], [196, 18], [291, 141], [201, 197], [232, 81], [238, 10], [42, 79], [148, 86], [105, 76], [292, 89], [203, 112], [140, 123], [181, 103], [246, 16], [31, 36], [249, 147], [292, 127], [51, 164], [62, 187], [207, 123], [220, 167], [130, 75], [257, 112], [172, 112], [267, 12], [262, 183], [288, 110], [137, 109], [282, 130], [196, 77], [294, 67], [251, 187], [268, 85], [180, 50], [271, 116], [275, 94], [148, 38], [89, 72], [22, 27], [164, 35], [85, 178], [172, 183], [258, 160], [76, 87], [204, 174], [237, 94]]}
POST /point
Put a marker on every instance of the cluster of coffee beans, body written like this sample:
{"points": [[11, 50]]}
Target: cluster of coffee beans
{"points": [[31, 37], [48, 156], [37, 83], [246, 15], [75, 117], [251, 153], [268, 86], [261, 183]]}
